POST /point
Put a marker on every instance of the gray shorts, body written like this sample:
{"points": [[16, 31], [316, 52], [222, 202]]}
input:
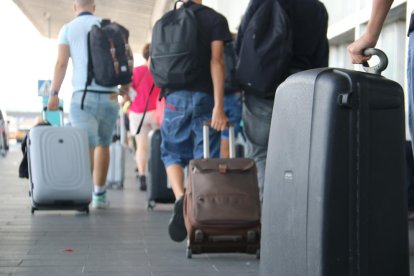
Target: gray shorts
{"points": [[98, 117]]}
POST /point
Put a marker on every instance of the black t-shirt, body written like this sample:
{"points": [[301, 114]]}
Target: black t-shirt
{"points": [[212, 26], [310, 43]]}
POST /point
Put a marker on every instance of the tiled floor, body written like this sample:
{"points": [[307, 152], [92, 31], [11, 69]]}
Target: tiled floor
{"points": [[124, 240]]}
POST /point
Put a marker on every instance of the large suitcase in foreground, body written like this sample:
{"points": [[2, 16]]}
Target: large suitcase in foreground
{"points": [[59, 168], [221, 204], [157, 184], [334, 195]]}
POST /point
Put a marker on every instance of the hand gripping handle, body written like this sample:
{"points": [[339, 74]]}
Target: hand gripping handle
{"points": [[381, 66], [206, 139]]}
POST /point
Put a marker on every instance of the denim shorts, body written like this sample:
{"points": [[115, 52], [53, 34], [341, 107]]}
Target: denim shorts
{"points": [[98, 117], [182, 128], [233, 110]]}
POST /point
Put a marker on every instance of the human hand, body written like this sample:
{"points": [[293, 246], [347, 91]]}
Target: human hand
{"points": [[53, 103], [219, 119], [124, 89], [356, 48]]}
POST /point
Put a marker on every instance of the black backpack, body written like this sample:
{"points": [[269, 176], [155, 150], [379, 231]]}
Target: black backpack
{"points": [[110, 59], [230, 61], [175, 48], [266, 50], [24, 164]]}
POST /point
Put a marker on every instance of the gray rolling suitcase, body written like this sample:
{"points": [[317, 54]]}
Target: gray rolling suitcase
{"points": [[334, 195], [157, 184], [116, 170], [59, 168]]}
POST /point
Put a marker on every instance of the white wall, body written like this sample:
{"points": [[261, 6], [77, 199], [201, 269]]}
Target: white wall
{"points": [[233, 10]]}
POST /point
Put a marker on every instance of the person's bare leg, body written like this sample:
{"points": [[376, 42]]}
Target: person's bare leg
{"points": [[176, 226], [142, 149], [141, 158], [91, 157], [100, 171], [101, 164], [224, 148], [175, 174], [136, 153]]}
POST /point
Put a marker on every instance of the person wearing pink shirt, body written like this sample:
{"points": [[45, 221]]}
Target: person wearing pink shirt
{"points": [[142, 82]]}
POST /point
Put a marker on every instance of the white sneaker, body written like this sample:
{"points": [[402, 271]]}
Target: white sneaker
{"points": [[100, 201]]}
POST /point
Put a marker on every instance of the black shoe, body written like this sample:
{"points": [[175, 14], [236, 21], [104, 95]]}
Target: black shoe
{"points": [[176, 227], [142, 183]]}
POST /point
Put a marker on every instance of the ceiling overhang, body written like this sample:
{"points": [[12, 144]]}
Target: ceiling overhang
{"points": [[138, 16]]}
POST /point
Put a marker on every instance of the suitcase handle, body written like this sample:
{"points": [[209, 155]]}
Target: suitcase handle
{"points": [[381, 66], [206, 139], [60, 112]]}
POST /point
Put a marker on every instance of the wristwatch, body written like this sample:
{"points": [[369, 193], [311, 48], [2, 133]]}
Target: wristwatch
{"points": [[53, 93]]}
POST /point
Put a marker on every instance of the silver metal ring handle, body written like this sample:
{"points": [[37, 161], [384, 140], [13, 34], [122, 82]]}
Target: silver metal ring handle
{"points": [[381, 66]]}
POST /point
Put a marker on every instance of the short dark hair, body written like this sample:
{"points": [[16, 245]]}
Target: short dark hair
{"points": [[146, 51]]}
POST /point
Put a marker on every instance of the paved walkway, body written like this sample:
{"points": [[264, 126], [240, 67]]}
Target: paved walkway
{"points": [[123, 240]]}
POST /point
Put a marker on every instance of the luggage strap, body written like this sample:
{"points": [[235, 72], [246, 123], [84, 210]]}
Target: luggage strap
{"points": [[145, 110]]}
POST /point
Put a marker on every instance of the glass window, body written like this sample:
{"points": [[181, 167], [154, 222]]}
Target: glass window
{"points": [[392, 42], [338, 56], [338, 10]]}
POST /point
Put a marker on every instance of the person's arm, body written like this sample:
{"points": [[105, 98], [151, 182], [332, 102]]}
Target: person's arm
{"points": [[59, 74], [219, 119], [370, 37], [124, 90]]}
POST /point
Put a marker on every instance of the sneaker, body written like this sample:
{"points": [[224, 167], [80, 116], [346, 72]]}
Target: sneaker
{"points": [[142, 183], [99, 201], [176, 226]]}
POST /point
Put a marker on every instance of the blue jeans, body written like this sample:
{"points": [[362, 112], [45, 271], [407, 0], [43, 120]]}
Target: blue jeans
{"points": [[410, 84], [257, 116], [233, 109], [98, 116], [182, 128]]}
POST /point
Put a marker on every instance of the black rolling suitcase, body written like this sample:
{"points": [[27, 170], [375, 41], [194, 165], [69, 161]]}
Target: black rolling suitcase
{"points": [[334, 195], [157, 185]]}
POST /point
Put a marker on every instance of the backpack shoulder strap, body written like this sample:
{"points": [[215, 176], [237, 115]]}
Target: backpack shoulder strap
{"points": [[89, 76], [196, 7], [145, 110]]}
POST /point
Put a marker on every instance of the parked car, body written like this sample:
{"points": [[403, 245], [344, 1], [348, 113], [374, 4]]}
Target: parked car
{"points": [[4, 133]]}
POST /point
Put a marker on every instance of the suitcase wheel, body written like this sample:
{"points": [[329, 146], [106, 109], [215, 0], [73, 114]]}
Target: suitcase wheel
{"points": [[198, 236], [251, 236], [151, 205], [86, 210], [189, 253], [33, 210], [258, 254]]}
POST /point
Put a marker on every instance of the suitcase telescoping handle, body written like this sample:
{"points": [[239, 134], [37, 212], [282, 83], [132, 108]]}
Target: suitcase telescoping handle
{"points": [[381, 66], [60, 114], [206, 139]]}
